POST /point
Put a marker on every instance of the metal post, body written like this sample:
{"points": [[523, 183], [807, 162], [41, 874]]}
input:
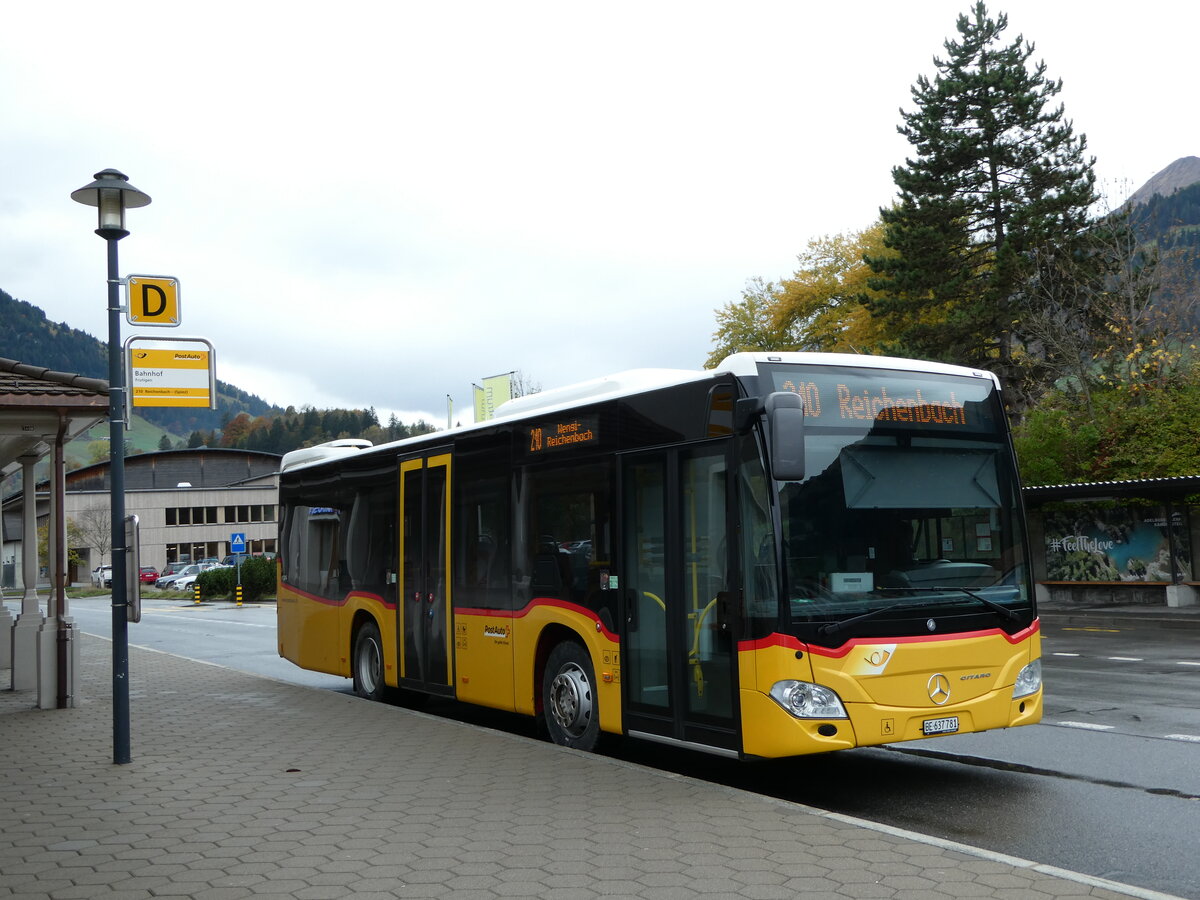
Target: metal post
{"points": [[111, 194], [116, 457]]}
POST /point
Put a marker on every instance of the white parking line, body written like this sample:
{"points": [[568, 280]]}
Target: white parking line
{"points": [[1194, 738], [1189, 662], [1087, 726], [1067, 654], [1126, 658]]}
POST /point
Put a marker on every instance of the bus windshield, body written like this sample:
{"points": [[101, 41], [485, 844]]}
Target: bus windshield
{"points": [[909, 502]]}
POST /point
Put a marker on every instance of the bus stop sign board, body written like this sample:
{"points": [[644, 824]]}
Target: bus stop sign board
{"points": [[152, 300], [183, 375]]}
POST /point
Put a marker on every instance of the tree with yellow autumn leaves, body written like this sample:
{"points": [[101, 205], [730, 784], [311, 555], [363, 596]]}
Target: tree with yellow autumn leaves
{"points": [[818, 308]]}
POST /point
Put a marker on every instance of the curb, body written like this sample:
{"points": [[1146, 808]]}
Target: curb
{"points": [[1124, 619]]}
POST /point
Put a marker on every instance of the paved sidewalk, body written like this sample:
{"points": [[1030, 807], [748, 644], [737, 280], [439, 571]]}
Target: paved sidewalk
{"points": [[243, 786]]}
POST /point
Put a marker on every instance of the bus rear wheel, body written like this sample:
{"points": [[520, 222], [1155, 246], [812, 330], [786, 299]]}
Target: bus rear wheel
{"points": [[367, 661], [569, 702]]}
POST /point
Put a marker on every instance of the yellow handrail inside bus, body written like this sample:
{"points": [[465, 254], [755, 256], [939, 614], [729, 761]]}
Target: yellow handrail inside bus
{"points": [[694, 653], [657, 599]]}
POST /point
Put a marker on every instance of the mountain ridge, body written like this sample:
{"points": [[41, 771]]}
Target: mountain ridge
{"points": [[1182, 173]]}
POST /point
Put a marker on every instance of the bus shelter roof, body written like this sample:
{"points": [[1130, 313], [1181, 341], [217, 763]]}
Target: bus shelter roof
{"points": [[1172, 488], [37, 405]]}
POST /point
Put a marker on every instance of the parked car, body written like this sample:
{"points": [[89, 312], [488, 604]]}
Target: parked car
{"points": [[148, 574], [102, 576], [185, 582], [173, 568], [171, 582]]}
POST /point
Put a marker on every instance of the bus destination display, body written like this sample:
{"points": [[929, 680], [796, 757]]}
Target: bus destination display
{"points": [[562, 435], [849, 397]]}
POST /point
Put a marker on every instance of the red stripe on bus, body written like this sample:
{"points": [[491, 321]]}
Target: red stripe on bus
{"points": [[328, 601], [788, 642]]}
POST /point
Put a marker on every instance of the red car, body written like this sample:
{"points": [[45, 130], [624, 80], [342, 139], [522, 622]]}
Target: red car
{"points": [[148, 574]]}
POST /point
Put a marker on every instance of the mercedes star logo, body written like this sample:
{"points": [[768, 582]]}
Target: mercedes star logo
{"points": [[939, 689]]}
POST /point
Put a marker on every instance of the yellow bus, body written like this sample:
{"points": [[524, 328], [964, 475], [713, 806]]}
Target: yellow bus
{"points": [[790, 553]]}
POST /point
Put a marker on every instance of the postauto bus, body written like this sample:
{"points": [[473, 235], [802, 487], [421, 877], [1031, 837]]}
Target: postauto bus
{"points": [[787, 554]]}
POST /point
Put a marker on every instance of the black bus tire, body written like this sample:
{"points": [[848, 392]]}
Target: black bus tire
{"points": [[569, 702], [367, 663]]}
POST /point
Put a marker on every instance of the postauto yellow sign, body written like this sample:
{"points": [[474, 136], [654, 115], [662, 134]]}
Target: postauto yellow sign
{"points": [[152, 300], [181, 376]]}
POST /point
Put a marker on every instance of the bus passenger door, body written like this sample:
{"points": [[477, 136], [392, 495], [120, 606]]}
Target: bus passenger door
{"points": [[678, 643], [424, 615]]}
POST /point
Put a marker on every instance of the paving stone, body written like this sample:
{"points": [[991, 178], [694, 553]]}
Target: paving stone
{"points": [[388, 802]]}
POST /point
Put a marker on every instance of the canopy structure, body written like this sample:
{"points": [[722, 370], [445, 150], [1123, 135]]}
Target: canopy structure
{"points": [[40, 411], [1135, 541]]}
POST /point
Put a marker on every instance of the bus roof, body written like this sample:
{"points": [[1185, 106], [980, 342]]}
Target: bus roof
{"points": [[628, 383], [746, 364]]}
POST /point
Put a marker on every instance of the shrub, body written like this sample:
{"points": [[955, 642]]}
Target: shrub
{"points": [[258, 578], [217, 582]]}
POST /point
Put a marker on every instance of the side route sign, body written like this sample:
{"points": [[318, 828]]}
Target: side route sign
{"points": [[182, 374]]}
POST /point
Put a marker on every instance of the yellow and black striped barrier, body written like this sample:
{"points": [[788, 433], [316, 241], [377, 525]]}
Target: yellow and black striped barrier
{"points": [[238, 593], [196, 590]]}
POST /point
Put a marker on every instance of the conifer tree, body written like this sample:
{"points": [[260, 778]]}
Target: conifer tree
{"points": [[997, 173]]}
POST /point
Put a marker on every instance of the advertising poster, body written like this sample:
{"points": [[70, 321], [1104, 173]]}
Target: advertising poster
{"points": [[1093, 543]]}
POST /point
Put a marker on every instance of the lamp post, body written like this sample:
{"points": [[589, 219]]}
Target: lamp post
{"points": [[111, 193]]}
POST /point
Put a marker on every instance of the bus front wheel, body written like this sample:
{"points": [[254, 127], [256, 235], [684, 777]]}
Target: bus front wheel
{"points": [[368, 663], [569, 698]]}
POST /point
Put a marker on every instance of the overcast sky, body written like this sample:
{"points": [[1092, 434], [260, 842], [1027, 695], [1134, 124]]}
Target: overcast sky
{"points": [[377, 204]]}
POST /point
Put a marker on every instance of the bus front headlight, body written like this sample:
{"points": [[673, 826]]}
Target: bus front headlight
{"points": [[808, 701], [1029, 680]]}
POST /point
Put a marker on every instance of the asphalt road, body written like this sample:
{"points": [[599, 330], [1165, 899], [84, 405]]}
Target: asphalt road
{"points": [[1108, 784]]}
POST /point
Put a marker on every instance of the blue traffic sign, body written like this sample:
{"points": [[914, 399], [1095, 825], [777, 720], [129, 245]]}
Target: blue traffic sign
{"points": [[237, 542]]}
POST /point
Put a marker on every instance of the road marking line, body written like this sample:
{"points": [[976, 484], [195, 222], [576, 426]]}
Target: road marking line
{"points": [[228, 621], [1188, 662], [1088, 726], [1065, 654], [1194, 738], [1126, 658]]}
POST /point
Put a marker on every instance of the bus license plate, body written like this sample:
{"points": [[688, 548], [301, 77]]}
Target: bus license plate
{"points": [[940, 726]]}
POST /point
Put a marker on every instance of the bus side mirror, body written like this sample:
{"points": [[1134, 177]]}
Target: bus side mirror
{"points": [[785, 418]]}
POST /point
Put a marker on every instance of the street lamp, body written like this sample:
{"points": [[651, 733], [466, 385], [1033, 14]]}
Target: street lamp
{"points": [[111, 193]]}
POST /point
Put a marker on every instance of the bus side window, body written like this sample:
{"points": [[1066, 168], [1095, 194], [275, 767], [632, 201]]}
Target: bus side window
{"points": [[566, 519], [483, 543], [370, 545]]}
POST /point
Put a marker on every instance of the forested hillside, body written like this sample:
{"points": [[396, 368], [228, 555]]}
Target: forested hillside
{"points": [[28, 336], [1173, 222]]}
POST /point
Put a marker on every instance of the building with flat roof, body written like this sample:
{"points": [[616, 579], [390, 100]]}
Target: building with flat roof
{"points": [[189, 504]]}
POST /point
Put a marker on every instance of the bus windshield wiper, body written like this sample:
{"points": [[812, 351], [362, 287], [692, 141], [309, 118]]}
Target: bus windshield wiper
{"points": [[1010, 614], [835, 627]]}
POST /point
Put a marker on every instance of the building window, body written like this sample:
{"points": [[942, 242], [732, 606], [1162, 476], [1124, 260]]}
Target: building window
{"points": [[211, 515], [193, 551], [241, 515]]}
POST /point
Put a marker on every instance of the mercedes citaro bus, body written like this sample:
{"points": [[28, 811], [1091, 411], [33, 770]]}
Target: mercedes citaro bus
{"points": [[787, 554]]}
